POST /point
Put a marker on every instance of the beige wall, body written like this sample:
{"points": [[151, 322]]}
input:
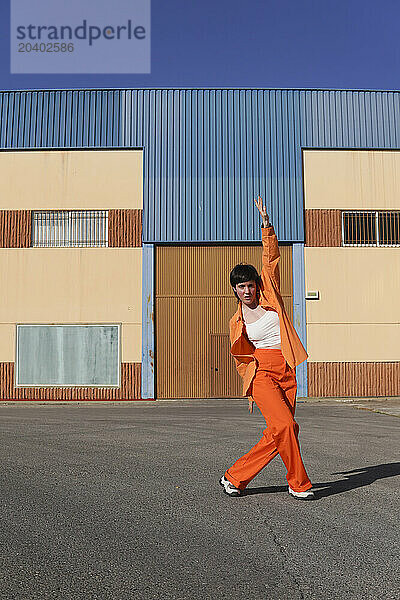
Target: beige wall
{"points": [[81, 179], [353, 343], [72, 285], [357, 317], [352, 179]]}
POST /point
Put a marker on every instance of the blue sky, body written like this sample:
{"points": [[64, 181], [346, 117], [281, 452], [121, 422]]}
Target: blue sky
{"points": [[342, 44]]}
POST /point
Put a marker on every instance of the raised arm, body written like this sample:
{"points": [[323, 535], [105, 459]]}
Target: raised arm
{"points": [[270, 257]]}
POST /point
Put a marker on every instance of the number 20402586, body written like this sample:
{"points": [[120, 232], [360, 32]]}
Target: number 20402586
{"points": [[46, 47]]}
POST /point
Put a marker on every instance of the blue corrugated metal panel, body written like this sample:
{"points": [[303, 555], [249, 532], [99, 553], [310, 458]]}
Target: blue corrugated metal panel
{"points": [[148, 339], [299, 313], [61, 119], [207, 153]]}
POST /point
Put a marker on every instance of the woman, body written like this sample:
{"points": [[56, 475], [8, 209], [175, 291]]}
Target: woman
{"points": [[266, 349]]}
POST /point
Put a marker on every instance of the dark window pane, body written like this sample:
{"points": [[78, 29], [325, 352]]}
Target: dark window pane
{"points": [[389, 227], [359, 227]]}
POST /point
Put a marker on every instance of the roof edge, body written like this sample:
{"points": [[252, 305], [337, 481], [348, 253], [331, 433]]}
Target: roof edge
{"points": [[189, 89]]}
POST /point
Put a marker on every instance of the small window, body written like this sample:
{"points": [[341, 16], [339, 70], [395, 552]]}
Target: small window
{"points": [[371, 228], [68, 356], [389, 227], [70, 228]]}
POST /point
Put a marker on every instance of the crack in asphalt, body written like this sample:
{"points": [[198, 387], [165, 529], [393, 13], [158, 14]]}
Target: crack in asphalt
{"points": [[281, 550], [285, 559]]}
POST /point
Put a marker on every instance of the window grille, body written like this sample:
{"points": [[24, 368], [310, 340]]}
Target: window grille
{"points": [[371, 228], [70, 228], [389, 228]]}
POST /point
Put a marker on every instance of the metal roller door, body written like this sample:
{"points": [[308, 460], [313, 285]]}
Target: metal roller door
{"points": [[194, 303]]}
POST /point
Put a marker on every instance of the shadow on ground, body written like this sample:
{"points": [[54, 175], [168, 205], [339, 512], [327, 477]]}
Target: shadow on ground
{"points": [[353, 479]]}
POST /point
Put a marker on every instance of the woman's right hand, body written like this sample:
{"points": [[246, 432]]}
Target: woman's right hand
{"points": [[263, 211]]}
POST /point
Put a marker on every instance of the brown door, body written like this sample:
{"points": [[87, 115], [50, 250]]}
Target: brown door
{"points": [[224, 380], [194, 303]]}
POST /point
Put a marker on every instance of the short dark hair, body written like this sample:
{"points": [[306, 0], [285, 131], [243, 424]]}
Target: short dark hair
{"points": [[241, 273]]}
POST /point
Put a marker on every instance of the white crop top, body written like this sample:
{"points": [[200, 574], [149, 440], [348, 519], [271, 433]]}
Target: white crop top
{"points": [[265, 332]]}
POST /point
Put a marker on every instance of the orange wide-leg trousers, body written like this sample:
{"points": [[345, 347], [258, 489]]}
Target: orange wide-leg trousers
{"points": [[274, 392]]}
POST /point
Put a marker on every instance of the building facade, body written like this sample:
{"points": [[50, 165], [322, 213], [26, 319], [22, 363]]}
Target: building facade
{"points": [[123, 211]]}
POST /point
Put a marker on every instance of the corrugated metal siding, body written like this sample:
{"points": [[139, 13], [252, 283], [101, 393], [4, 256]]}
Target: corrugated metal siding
{"points": [[61, 119], [129, 390], [125, 228], [194, 303], [346, 380], [15, 228], [206, 150], [184, 327], [323, 227], [224, 379], [148, 302], [203, 271]]}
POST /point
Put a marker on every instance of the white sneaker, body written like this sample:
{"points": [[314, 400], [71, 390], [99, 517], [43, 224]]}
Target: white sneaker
{"points": [[308, 495], [229, 488]]}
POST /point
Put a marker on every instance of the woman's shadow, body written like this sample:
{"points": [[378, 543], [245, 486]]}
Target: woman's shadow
{"points": [[353, 479]]}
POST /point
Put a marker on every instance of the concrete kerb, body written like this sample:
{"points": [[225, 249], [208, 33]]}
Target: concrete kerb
{"points": [[388, 405]]}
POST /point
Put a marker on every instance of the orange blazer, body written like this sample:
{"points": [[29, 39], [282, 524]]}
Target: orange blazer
{"points": [[270, 297]]}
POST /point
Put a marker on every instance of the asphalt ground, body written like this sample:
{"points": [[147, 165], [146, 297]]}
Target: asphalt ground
{"points": [[385, 406], [121, 502]]}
